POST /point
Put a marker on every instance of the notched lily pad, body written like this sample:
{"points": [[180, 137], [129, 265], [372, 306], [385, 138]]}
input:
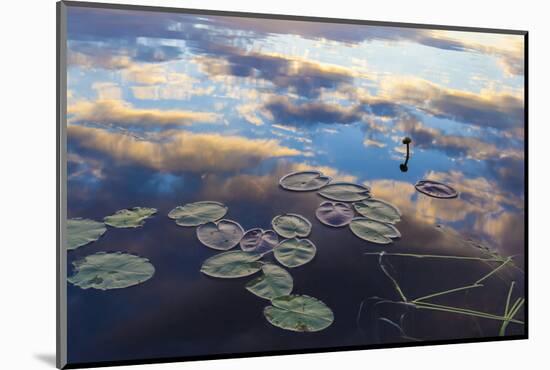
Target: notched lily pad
{"points": [[299, 313], [345, 192], [221, 235], [373, 231], [378, 210], [335, 214], [126, 218], [198, 213], [105, 271], [234, 264], [81, 231], [295, 252], [436, 189], [291, 225], [259, 241], [304, 181], [274, 282]]}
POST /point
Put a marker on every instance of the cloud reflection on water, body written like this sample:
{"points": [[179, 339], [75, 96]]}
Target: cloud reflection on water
{"points": [[166, 109]]}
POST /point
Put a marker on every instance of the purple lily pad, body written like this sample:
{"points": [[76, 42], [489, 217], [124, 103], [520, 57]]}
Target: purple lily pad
{"points": [[335, 214], [436, 189], [259, 241]]}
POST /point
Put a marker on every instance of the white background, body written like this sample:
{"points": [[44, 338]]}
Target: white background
{"points": [[27, 208]]}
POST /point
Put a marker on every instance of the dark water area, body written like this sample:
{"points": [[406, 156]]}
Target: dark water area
{"points": [[182, 312], [164, 109]]}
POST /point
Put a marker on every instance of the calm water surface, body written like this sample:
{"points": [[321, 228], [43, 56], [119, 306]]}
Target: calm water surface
{"points": [[169, 109]]}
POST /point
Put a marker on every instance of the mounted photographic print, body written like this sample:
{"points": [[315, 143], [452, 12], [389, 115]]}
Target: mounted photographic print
{"points": [[238, 184]]}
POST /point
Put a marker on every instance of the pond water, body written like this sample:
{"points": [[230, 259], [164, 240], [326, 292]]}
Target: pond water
{"points": [[126, 149]]}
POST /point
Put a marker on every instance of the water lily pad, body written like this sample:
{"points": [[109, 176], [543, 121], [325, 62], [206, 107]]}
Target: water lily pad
{"points": [[291, 225], [198, 213], [105, 271], [222, 235], [232, 264], [373, 231], [436, 189], [304, 181], [299, 313], [81, 231], [274, 282], [295, 252], [335, 214], [134, 217], [259, 241], [378, 210], [345, 192]]}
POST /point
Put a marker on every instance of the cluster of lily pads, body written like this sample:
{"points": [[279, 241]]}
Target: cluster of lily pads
{"points": [[108, 270], [288, 311], [376, 219], [374, 223]]}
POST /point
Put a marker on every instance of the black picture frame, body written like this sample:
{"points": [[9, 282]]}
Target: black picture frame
{"points": [[61, 176]]}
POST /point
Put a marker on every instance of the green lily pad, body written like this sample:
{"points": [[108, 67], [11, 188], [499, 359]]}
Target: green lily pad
{"points": [[105, 271], [198, 213], [259, 240], [345, 192], [299, 313], [134, 217], [222, 235], [81, 231], [274, 282], [378, 210], [295, 252], [291, 225], [232, 264], [373, 231], [304, 181], [335, 214]]}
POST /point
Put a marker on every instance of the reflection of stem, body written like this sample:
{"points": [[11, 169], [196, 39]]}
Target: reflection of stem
{"points": [[447, 291], [403, 166], [398, 327], [395, 284], [510, 312], [494, 270], [477, 284], [502, 330], [451, 309], [508, 298], [419, 303], [436, 256], [484, 315]]}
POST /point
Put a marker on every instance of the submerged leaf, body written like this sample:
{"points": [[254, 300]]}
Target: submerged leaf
{"points": [[198, 213], [111, 271], [81, 231], [345, 192], [436, 189], [134, 217], [274, 282], [233, 264], [304, 181], [299, 313], [291, 225], [335, 214], [295, 252], [373, 231], [378, 210], [259, 241], [222, 235]]}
